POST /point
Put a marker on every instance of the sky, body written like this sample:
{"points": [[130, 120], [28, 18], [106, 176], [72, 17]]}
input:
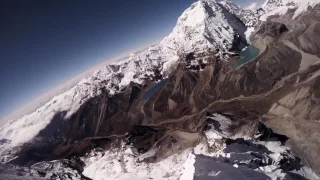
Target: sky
{"points": [[45, 43]]}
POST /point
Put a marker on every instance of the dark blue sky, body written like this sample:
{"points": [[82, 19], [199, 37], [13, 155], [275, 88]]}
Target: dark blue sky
{"points": [[45, 43]]}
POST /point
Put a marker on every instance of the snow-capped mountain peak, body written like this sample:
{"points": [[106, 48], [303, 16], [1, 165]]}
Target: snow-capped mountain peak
{"points": [[205, 24], [248, 16]]}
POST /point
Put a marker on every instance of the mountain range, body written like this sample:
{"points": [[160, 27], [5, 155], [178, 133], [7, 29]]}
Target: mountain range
{"points": [[186, 108]]}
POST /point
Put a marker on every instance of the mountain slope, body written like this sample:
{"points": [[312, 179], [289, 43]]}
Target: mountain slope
{"points": [[181, 110], [248, 16], [253, 17], [202, 26], [281, 7], [209, 31]]}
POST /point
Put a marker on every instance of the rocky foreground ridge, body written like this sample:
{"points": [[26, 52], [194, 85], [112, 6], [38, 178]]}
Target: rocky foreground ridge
{"points": [[181, 110]]}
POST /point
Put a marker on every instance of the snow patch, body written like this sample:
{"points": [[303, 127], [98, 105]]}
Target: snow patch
{"points": [[248, 33], [272, 171], [189, 168], [119, 164]]}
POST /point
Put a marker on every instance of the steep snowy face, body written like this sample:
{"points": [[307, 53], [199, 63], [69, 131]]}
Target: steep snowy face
{"points": [[254, 15], [280, 7], [204, 25], [249, 17]]}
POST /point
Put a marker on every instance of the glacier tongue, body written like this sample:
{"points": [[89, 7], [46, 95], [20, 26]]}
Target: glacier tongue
{"points": [[204, 25]]}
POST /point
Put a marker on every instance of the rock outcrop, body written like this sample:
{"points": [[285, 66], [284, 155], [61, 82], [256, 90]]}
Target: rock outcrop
{"points": [[272, 29]]}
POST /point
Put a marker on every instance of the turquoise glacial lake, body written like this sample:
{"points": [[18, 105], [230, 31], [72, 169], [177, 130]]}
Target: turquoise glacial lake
{"points": [[154, 89], [247, 55]]}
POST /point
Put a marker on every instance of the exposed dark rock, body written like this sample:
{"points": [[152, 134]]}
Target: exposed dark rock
{"points": [[240, 41], [272, 29], [190, 57], [293, 176], [61, 169], [115, 68], [266, 134], [37, 151], [217, 168], [142, 138], [4, 141], [290, 163]]}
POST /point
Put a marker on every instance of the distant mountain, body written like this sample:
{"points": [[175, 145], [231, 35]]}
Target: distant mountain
{"points": [[249, 17], [281, 7]]}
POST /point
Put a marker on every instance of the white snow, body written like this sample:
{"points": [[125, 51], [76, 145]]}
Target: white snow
{"points": [[272, 171], [194, 16], [203, 149], [189, 168], [248, 15], [280, 7], [276, 148], [197, 29], [146, 155], [108, 166], [248, 33], [275, 11], [224, 125], [254, 6], [212, 135], [303, 5], [214, 173], [167, 65]]}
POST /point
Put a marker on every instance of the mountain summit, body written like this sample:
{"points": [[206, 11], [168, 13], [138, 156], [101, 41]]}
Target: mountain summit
{"points": [[204, 25]]}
